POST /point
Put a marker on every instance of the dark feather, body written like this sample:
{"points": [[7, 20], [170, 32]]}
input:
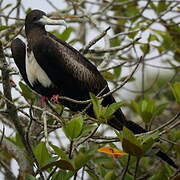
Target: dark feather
{"points": [[18, 49]]}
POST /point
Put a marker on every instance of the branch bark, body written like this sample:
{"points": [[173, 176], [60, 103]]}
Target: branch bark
{"points": [[25, 167]]}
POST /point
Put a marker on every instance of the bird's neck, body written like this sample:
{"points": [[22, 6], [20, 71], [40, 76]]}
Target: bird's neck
{"points": [[34, 35]]}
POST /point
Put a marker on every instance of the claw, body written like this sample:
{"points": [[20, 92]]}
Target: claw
{"points": [[55, 98]]}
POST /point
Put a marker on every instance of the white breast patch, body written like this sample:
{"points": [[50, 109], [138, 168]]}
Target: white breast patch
{"points": [[35, 72]]}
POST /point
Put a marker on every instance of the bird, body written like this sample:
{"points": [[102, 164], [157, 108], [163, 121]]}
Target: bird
{"points": [[53, 68]]}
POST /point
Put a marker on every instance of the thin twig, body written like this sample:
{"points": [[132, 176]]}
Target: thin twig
{"points": [[7, 170], [171, 127], [112, 49], [34, 119], [112, 67], [2, 136], [125, 81], [126, 168], [94, 41], [51, 173], [87, 137], [136, 169], [71, 149], [164, 125], [169, 141], [168, 123]]}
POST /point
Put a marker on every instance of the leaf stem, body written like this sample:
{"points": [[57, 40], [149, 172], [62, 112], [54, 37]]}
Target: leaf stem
{"points": [[126, 168], [136, 169]]}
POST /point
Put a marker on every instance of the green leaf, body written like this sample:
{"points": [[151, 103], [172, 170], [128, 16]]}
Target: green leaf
{"points": [[176, 91], [137, 146], [87, 129], [131, 10], [110, 164], [4, 27], [162, 174], [144, 105], [131, 144], [119, 134], [117, 71], [112, 109], [81, 159], [159, 48], [96, 105], [159, 109], [177, 56], [152, 5], [62, 175], [28, 10], [99, 110], [65, 34], [102, 159], [147, 109], [26, 92], [152, 37], [145, 48], [41, 153], [162, 6], [147, 145], [114, 42], [168, 43], [135, 106], [62, 164], [30, 177], [73, 128], [110, 175], [133, 34], [18, 141], [146, 137], [92, 174], [59, 152], [58, 107], [129, 135], [108, 76], [132, 148]]}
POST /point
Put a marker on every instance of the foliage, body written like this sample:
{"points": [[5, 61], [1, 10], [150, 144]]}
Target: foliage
{"points": [[151, 97]]}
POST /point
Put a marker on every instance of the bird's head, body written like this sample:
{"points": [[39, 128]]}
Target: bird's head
{"points": [[38, 18]]}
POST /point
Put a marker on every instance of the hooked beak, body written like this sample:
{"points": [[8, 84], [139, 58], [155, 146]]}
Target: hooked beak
{"points": [[48, 21]]}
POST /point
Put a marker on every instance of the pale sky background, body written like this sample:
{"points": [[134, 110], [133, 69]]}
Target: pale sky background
{"points": [[43, 5]]}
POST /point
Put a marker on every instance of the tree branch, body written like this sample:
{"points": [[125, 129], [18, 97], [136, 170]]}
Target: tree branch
{"points": [[24, 164]]}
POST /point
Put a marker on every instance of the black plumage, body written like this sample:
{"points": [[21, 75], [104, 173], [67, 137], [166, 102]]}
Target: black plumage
{"points": [[50, 66]]}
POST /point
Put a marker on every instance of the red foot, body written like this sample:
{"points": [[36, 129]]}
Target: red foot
{"points": [[55, 98], [43, 100]]}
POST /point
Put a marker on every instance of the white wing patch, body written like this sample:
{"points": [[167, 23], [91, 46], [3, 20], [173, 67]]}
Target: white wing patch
{"points": [[35, 72]]}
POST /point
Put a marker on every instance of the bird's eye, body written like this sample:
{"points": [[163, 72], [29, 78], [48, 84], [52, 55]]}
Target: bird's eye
{"points": [[35, 18]]}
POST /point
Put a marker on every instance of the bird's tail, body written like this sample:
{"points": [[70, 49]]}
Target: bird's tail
{"points": [[135, 128], [121, 121], [166, 158]]}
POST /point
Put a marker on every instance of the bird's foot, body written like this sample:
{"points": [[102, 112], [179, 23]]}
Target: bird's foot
{"points": [[55, 98], [43, 100]]}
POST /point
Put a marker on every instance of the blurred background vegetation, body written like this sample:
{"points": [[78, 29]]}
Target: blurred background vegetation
{"points": [[51, 142]]}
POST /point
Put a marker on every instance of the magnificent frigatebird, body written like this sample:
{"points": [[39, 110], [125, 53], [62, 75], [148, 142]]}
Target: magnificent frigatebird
{"points": [[53, 68]]}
